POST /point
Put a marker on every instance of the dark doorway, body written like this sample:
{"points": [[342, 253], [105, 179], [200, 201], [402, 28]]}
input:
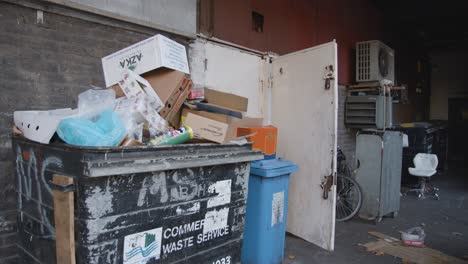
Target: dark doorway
{"points": [[457, 128]]}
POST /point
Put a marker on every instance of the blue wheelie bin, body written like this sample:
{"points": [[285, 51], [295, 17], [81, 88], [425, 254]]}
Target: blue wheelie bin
{"points": [[267, 206]]}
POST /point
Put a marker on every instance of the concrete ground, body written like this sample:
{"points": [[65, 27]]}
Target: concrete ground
{"points": [[445, 223]]}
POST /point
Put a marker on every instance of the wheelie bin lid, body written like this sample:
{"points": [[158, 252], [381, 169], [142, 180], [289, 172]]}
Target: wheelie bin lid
{"points": [[272, 168]]}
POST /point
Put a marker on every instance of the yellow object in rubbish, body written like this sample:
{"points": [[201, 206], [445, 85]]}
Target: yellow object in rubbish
{"points": [[407, 125]]}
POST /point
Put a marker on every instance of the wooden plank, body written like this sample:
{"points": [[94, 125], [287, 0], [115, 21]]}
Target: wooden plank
{"points": [[424, 255], [375, 246], [64, 222], [383, 236]]}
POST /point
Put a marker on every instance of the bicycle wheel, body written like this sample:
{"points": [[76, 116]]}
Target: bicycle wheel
{"points": [[348, 198]]}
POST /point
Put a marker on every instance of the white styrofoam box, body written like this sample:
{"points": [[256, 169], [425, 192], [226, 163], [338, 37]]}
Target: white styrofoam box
{"points": [[144, 56], [40, 126]]}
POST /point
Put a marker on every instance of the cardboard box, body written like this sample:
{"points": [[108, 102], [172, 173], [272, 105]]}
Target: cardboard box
{"points": [[223, 103], [144, 56], [232, 123], [179, 88], [173, 117], [207, 128], [168, 84], [174, 120]]}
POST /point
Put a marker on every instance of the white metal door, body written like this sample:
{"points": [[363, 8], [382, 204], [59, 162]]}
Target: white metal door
{"points": [[304, 108], [229, 69]]}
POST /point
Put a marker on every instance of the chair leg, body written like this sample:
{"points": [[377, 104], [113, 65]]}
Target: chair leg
{"points": [[434, 192], [425, 188], [422, 191]]}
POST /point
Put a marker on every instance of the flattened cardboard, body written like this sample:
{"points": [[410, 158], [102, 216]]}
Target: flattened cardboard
{"points": [[226, 100]]}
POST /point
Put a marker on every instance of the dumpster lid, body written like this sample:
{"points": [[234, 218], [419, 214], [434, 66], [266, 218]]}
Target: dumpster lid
{"points": [[272, 168]]}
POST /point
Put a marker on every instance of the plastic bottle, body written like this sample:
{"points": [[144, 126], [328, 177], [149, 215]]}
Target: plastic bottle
{"points": [[172, 137]]}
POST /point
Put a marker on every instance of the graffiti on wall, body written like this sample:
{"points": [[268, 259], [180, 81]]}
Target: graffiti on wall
{"points": [[32, 176]]}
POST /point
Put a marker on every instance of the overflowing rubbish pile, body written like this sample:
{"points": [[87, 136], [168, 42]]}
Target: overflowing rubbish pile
{"points": [[149, 99]]}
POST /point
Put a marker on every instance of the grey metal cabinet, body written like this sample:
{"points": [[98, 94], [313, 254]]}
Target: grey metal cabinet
{"points": [[378, 163]]}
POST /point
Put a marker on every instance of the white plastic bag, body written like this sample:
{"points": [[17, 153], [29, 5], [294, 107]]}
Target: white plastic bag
{"points": [[95, 100], [414, 236], [136, 110]]}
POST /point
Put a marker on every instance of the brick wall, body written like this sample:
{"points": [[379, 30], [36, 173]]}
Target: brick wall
{"points": [[346, 136], [45, 65]]}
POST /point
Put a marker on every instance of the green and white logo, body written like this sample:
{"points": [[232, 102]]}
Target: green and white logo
{"points": [[140, 247]]}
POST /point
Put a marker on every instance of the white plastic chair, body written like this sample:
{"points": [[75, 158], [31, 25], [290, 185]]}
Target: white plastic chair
{"points": [[425, 165]]}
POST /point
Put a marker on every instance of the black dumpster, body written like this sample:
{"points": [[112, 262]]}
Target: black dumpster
{"points": [[182, 203]]}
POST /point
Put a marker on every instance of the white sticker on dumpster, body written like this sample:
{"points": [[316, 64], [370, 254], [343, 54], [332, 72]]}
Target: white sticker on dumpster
{"points": [[140, 247], [215, 220], [223, 189], [277, 208]]}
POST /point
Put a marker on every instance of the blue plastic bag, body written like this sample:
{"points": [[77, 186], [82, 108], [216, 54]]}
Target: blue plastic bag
{"points": [[102, 130]]}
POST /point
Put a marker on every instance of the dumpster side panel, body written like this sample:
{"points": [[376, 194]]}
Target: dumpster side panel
{"points": [[112, 196], [186, 211]]}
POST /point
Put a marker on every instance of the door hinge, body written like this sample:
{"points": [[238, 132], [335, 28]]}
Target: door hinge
{"points": [[329, 76], [327, 184]]}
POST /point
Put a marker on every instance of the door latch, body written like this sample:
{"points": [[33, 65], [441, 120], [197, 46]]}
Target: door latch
{"points": [[326, 185], [329, 76]]}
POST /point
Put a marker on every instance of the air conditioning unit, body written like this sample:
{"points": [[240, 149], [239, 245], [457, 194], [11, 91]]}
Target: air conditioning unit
{"points": [[375, 61]]}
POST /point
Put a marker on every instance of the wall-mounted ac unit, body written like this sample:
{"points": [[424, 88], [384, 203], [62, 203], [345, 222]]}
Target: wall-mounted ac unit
{"points": [[375, 61], [368, 111]]}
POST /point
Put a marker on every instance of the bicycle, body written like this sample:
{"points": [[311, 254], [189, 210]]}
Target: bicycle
{"points": [[348, 191]]}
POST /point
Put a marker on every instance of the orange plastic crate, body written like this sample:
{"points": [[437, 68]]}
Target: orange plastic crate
{"points": [[263, 138]]}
